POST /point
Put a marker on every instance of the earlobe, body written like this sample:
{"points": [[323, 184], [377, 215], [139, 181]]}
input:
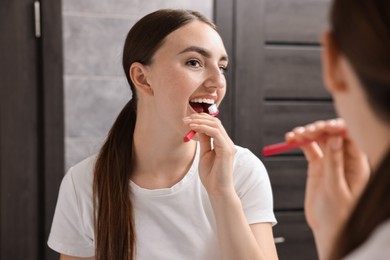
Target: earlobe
{"points": [[139, 76], [331, 63]]}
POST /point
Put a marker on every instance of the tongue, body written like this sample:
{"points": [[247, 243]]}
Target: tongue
{"points": [[200, 107], [197, 107]]}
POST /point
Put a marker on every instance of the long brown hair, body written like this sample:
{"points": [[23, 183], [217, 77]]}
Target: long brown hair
{"points": [[361, 31], [113, 209]]}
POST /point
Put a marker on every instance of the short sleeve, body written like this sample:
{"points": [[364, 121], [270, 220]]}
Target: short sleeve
{"points": [[253, 186], [68, 232]]}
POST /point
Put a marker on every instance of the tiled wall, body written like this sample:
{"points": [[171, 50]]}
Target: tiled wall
{"points": [[95, 86]]}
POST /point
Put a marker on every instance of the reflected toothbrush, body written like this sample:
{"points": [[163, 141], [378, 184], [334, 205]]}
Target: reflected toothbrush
{"points": [[213, 111], [283, 147]]}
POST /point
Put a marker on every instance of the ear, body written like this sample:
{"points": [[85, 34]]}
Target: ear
{"points": [[331, 65], [139, 76]]}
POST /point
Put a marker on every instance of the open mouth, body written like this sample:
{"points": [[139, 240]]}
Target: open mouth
{"points": [[201, 105]]}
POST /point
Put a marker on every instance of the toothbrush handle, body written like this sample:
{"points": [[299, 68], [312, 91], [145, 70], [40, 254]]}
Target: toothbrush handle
{"points": [[189, 136], [279, 148], [284, 147]]}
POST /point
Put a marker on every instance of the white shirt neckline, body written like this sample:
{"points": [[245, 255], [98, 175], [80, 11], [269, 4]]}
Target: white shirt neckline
{"points": [[137, 190]]}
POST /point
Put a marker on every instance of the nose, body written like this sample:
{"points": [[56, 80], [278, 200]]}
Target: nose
{"points": [[215, 78]]}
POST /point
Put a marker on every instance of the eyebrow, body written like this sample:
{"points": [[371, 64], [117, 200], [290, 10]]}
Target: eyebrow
{"points": [[202, 52]]}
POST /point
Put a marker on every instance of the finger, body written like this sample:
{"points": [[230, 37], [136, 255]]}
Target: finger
{"points": [[311, 151], [211, 121], [205, 144], [356, 179], [221, 139], [202, 116], [207, 119], [319, 129], [204, 119], [335, 127], [334, 163], [308, 132], [210, 130], [194, 122]]}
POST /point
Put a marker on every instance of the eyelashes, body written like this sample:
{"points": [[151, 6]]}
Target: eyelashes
{"points": [[195, 63], [223, 69]]}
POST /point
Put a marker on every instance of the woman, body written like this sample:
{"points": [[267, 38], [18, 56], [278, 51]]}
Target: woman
{"points": [[347, 209], [148, 194]]}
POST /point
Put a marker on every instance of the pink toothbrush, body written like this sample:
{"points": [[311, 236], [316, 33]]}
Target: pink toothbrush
{"points": [[213, 111], [277, 148]]}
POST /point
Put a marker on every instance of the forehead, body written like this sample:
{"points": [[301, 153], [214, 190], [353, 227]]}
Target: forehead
{"points": [[197, 34]]}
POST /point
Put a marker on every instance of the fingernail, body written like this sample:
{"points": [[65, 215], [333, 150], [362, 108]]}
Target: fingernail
{"points": [[334, 122], [300, 129], [311, 128], [289, 134]]}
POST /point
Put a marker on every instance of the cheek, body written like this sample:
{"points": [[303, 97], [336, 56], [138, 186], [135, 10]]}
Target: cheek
{"points": [[174, 91], [185, 83], [222, 92]]}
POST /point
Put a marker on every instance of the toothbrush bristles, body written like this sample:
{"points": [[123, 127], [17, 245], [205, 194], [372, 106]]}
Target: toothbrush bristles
{"points": [[213, 110]]}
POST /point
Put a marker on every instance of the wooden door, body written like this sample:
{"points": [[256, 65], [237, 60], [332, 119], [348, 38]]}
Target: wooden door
{"points": [[31, 139], [275, 84]]}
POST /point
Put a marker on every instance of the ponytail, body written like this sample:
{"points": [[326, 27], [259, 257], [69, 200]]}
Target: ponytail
{"points": [[113, 210]]}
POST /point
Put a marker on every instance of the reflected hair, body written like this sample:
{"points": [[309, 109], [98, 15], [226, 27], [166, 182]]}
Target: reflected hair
{"points": [[361, 31]]}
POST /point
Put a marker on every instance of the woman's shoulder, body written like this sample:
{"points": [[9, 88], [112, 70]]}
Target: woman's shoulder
{"points": [[80, 176], [247, 166], [84, 168], [244, 157], [85, 164], [377, 245]]}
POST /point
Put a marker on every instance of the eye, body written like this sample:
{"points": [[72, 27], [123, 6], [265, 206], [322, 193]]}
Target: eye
{"points": [[193, 63], [223, 69]]}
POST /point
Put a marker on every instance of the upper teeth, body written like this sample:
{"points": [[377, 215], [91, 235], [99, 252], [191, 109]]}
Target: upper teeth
{"points": [[203, 100]]}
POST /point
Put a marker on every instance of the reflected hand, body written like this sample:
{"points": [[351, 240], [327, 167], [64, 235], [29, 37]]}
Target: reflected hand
{"points": [[338, 171]]}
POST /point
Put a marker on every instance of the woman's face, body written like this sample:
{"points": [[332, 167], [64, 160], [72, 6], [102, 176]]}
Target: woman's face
{"points": [[186, 74]]}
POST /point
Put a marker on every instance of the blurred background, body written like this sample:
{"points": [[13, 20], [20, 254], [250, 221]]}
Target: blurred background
{"points": [[62, 86]]}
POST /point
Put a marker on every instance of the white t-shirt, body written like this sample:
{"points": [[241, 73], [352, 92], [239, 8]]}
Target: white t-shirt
{"points": [[172, 223], [376, 247]]}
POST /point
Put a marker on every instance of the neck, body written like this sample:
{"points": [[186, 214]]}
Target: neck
{"points": [[160, 159]]}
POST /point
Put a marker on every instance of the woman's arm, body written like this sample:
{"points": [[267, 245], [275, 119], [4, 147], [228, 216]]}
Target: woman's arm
{"points": [[265, 239], [237, 239]]}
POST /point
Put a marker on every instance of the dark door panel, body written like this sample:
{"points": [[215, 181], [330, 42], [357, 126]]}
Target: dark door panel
{"points": [[288, 179], [294, 238]]}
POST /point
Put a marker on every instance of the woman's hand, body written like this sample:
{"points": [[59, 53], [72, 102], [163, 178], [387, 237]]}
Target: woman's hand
{"points": [[237, 239], [216, 160], [337, 174]]}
